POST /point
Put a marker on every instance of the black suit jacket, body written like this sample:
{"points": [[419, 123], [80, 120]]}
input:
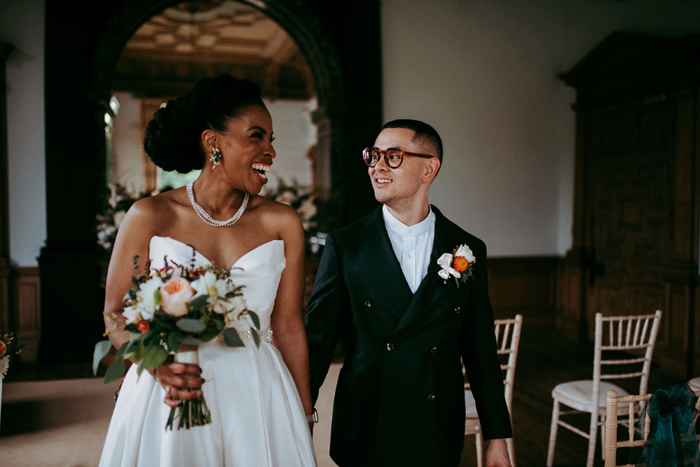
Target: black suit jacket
{"points": [[400, 398]]}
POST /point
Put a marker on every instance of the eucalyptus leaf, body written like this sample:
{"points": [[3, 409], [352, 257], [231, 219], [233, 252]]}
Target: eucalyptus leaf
{"points": [[199, 302], [123, 350], [164, 323], [210, 333], [191, 325], [115, 371], [219, 323], [102, 348], [232, 338], [137, 355], [256, 319], [256, 338], [189, 339], [155, 355], [173, 343]]}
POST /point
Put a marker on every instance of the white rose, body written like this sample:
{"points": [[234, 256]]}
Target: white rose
{"points": [[131, 314], [466, 252]]}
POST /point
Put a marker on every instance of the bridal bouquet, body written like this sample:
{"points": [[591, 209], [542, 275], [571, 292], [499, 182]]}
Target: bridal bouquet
{"points": [[8, 348], [172, 310]]}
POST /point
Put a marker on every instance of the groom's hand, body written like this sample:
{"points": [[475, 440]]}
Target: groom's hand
{"points": [[181, 381], [497, 454]]}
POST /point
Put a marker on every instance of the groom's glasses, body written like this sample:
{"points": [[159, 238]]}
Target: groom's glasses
{"points": [[392, 156]]}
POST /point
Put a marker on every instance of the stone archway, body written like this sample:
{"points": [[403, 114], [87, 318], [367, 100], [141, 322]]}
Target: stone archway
{"points": [[293, 16]]}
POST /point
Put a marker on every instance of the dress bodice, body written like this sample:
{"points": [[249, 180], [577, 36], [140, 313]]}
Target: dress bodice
{"points": [[258, 271], [257, 417]]}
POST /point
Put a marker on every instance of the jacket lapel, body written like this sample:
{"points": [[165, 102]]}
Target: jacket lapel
{"points": [[381, 266], [432, 287]]}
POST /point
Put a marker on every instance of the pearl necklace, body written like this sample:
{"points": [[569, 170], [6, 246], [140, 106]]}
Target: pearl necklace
{"points": [[207, 218]]}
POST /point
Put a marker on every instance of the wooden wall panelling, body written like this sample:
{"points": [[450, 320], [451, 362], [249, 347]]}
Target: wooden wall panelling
{"points": [[5, 325], [27, 311], [526, 285]]}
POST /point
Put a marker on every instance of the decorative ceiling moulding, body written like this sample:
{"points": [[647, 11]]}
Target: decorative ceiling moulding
{"points": [[296, 19], [149, 78]]}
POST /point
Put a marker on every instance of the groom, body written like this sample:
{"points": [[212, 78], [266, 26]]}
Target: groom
{"points": [[400, 399]]}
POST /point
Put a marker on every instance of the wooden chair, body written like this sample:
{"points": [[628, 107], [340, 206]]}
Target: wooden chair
{"points": [[629, 335], [508, 339], [611, 423]]}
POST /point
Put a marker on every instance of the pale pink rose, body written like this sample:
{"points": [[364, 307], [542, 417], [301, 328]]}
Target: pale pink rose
{"points": [[174, 296]]}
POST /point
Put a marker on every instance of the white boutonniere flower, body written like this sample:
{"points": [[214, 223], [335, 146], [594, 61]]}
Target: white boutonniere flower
{"points": [[459, 264]]}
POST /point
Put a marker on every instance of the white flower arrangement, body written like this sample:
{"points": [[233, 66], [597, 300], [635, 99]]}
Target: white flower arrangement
{"points": [[112, 214]]}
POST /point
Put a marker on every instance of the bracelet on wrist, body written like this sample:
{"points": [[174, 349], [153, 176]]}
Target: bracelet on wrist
{"points": [[313, 417]]}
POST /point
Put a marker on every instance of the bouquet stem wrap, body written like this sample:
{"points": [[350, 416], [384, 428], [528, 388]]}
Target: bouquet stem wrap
{"points": [[191, 412]]}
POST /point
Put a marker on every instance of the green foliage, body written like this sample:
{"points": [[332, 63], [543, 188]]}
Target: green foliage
{"points": [[102, 348], [115, 371], [232, 338], [193, 326]]}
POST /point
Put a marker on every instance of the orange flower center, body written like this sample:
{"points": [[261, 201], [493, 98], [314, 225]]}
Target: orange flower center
{"points": [[3, 348], [173, 287], [460, 264], [143, 327]]}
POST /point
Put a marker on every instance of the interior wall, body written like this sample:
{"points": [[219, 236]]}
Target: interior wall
{"points": [[295, 134], [127, 144], [483, 74], [22, 25]]}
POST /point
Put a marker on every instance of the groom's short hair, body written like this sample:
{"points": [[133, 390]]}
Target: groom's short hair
{"points": [[424, 134]]}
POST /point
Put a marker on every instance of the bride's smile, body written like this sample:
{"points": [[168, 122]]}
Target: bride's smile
{"points": [[246, 149]]}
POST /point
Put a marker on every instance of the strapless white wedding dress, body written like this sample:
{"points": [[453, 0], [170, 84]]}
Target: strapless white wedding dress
{"points": [[257, 415]]}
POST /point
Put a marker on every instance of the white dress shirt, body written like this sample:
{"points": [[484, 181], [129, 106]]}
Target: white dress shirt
{"points": [[412, 245]]}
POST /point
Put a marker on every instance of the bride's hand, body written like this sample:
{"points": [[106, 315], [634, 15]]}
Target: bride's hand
{"points": [[181, 381]]}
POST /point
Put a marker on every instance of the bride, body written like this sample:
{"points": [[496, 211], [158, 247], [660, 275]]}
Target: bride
{"points": [[259, 398]]}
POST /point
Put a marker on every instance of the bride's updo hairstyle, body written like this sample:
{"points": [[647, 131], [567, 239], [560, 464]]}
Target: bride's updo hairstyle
{"points": [[173, 137]]}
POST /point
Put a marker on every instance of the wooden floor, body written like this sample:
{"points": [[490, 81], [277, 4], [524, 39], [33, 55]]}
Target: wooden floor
{"points": [[543, 362]]}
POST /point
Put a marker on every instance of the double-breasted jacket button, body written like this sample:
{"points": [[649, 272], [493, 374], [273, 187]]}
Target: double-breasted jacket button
{"points": [[389, 346], [458, 309], [431, 397], [368, 304], [433, 350]]}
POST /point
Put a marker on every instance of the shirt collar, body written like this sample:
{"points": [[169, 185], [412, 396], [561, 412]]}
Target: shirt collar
{"points": [[402, 229]]}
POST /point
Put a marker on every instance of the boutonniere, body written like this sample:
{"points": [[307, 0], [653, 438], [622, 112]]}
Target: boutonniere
{"points": [[458, 264]]}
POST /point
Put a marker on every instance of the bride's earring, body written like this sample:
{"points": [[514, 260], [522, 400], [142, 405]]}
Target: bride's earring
{"points": [[215, 158]]}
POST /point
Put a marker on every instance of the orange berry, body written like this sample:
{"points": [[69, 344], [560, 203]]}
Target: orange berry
{"points": [[143, 327]]}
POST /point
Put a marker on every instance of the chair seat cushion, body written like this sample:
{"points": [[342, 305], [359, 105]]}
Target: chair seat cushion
{"points": [[579, 394], [694, 384]]}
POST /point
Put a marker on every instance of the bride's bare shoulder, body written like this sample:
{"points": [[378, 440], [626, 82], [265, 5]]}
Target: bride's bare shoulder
{"points": [[269, 209], [280, 218], [150, 212]]}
